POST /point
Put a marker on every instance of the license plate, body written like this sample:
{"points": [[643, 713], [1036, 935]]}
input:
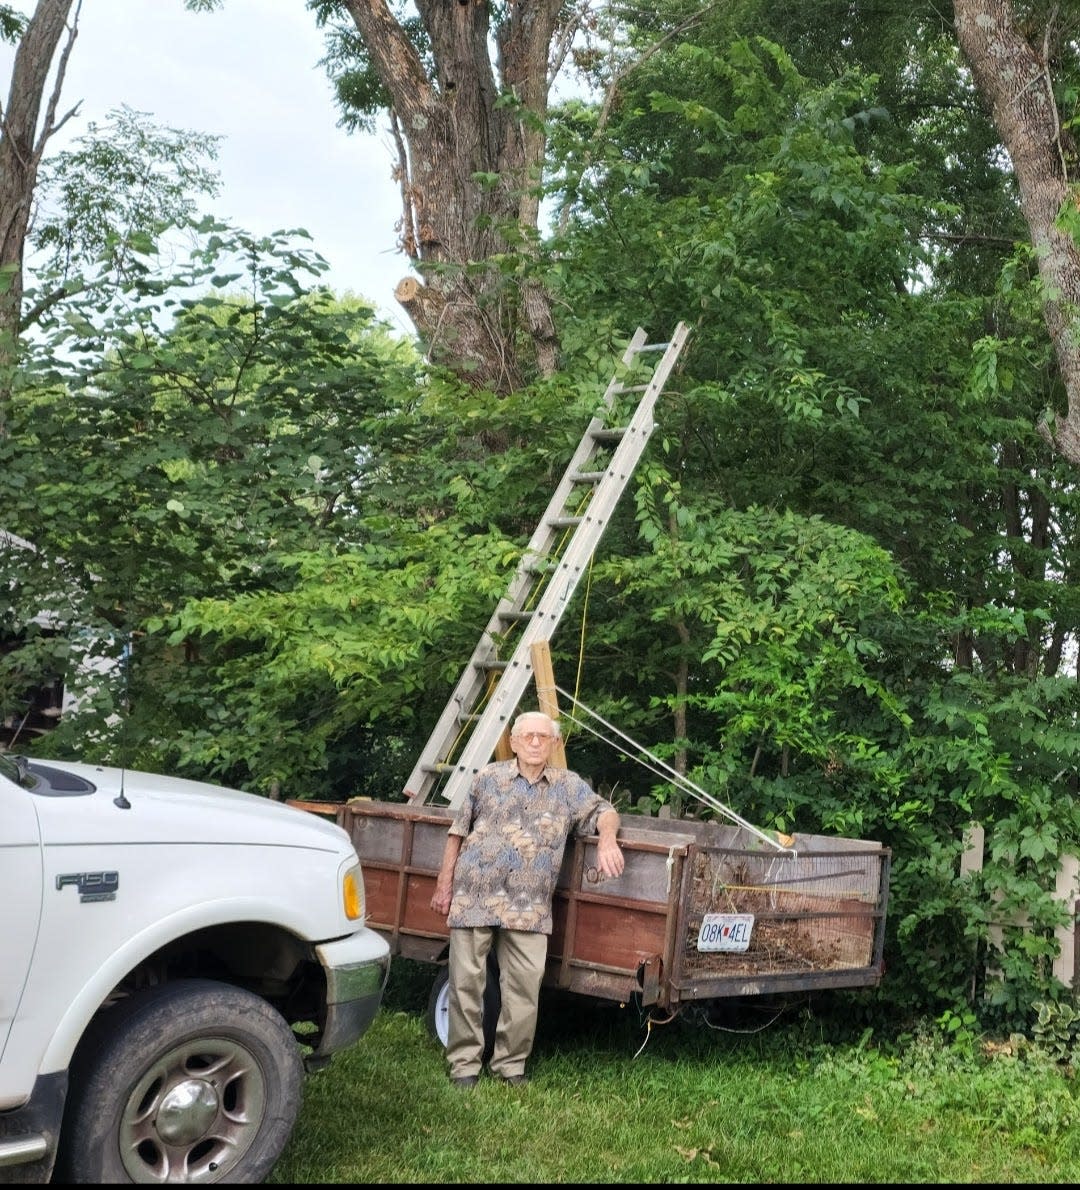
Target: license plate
{"points": [[725, 931]]}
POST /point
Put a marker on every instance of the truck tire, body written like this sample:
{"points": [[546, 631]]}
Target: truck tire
{"points": [[438, 1009], [193, 1081]]}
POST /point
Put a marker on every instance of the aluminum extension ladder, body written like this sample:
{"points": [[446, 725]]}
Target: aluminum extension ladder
{"points": [[547, 576]]}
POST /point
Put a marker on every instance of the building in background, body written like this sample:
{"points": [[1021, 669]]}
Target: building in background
{"points": [[44, 700]]}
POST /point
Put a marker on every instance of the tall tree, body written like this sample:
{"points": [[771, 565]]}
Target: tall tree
{"points": [[467, 86], [62, 213], [1025, 65], [23, 137]]}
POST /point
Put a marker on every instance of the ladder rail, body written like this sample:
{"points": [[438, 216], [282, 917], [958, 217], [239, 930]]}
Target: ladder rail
{"points": [[557, 586]]}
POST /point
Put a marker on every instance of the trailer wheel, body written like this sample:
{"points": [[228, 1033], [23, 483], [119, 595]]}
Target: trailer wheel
{"points": [[438, 1009]]}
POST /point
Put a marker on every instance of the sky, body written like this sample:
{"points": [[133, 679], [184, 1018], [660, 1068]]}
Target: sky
{"points": [[250, 74]]}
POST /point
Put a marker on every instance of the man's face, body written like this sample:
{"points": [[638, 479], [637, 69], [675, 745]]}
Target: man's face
{"points": [[531, 743]]}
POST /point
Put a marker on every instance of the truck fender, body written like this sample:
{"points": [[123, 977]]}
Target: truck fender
{"points": [[95, 991]]}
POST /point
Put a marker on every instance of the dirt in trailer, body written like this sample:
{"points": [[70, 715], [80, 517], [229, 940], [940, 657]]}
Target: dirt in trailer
{"points": [[751, 915]]}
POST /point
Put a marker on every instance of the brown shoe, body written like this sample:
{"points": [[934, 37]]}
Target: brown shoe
{"points": [[514, 1080], [466, 1082]]}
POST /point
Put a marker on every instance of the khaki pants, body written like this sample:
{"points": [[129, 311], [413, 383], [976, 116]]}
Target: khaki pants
{"points": [[521, 958]]}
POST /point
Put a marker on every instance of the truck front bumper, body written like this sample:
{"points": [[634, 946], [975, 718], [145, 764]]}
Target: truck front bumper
{"points": [[356, 970]]}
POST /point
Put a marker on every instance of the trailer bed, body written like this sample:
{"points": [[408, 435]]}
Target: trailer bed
{"points": [[702, 910]]}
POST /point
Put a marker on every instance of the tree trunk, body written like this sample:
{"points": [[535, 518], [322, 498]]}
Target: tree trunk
{"points": [[1012, 73], [21, 148], [469, 168]]}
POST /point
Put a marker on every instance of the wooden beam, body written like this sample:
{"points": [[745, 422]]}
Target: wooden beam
{"points": [[546, 699]]}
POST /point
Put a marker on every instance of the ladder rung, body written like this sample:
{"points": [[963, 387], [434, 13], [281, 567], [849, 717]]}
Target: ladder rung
{"points": [[492, 665], [565, 522], [653, 347], [629, 388], [442, 767], [515, 616], [587, 476], [615, 435]]}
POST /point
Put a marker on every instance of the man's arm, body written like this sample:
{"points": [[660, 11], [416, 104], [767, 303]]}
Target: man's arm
{"points": [[609, 854], [444, 884]]}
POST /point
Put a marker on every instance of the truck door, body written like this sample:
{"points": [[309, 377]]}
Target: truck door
{"points": [[21, 877]]}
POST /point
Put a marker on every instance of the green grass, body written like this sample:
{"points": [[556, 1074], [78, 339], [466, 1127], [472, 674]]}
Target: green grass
{"points": [[613, 1101]]}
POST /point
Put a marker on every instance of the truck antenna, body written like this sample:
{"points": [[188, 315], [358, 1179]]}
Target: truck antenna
{"points": [[121, 800]]}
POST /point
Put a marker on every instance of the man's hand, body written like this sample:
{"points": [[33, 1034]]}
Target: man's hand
{"points": [[444, 884], [443, 895], [609, 857]]}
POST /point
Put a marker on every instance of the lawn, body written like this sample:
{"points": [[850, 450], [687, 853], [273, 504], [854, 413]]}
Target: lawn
{"points": [[806, 1095]]}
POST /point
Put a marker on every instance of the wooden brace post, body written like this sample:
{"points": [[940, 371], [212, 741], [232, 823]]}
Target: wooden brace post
{"points": [[546, 700]]}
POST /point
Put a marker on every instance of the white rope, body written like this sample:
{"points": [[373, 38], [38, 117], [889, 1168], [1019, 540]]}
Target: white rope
{"points": [[666, 772]]}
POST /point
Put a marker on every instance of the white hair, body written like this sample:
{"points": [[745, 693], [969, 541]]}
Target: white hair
{"points": [[519, 721]]}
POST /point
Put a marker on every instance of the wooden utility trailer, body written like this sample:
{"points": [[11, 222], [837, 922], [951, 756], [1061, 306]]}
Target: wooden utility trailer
{"points": [[702, 911]]}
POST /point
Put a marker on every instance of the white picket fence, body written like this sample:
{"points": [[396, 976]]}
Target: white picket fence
{"points": [[1066, 889]]}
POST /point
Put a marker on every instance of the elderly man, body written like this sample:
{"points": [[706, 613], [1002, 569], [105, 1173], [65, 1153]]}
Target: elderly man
{"points": [[496, 884]]}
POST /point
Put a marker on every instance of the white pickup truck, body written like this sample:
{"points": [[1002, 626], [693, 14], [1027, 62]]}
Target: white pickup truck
{"points": [[173, 956]]}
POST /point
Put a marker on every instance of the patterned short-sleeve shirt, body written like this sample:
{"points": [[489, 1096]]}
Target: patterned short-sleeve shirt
{"points": [[514, 833]]}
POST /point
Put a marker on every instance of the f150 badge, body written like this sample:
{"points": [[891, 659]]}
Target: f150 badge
{"points": [[92, 886]]}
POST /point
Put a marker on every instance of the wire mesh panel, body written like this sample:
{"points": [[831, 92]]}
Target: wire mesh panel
{"points": [[754, 914]]}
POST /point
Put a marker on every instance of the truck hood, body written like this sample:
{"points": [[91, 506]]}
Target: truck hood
{"points": [[126, 805]]}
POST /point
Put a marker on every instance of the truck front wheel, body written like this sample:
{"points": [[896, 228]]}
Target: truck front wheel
{"points": [[194, 1081]]}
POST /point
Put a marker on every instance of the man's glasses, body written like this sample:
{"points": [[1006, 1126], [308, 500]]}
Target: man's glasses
{"points": [[530, 737]]}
